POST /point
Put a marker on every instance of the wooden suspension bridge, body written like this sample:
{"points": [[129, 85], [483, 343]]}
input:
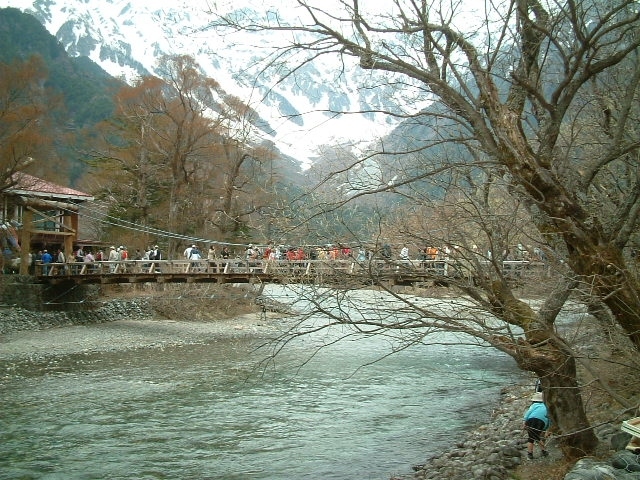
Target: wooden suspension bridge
{"points": [[320, 272]]}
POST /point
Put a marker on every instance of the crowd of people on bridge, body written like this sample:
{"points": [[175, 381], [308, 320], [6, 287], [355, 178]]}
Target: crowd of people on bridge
{"points": [[253, 254], [361, 254]]}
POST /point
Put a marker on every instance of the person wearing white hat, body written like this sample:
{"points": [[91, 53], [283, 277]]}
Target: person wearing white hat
{"points": [[112, 258], [536, 422]]}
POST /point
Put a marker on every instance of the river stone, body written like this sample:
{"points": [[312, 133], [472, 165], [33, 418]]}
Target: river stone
{"points": [[594, 472], [589, 469], [606, 430], [627, 461], [480, 473], [511, 451], [457, 453], [493, 459], [620, 440]]}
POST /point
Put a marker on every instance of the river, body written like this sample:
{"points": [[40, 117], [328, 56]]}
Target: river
{"points": [[218, 410]]}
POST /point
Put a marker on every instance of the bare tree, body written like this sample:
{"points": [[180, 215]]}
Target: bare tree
{"points": [[157, 149], [517, 103], [246, 167], [474, 229], [180, 155], [186, 136], [128, 174]]}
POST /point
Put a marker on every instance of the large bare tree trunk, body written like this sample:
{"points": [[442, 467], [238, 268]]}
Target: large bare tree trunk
{"points": [[557, 370], [592, 252], [604, 269], [544, 353]]}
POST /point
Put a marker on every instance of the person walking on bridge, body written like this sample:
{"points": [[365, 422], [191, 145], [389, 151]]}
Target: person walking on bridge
{"points": [[195, 254], [156, 253], [46, 260], [113, 258], [211, 258], [60, 258]]}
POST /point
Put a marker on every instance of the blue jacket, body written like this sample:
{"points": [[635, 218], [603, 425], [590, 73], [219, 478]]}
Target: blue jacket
{"points": [[538, 410]]}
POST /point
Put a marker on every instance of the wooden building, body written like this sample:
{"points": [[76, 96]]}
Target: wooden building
{"points": [[39, 215]]}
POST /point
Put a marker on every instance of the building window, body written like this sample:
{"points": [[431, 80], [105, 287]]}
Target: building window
{"points": [[49, 220]]}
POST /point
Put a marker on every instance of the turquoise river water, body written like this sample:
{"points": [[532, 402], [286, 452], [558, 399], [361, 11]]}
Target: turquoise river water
{"points": [[213, 411]]}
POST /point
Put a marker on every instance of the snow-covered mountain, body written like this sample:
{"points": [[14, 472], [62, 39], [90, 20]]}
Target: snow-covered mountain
{"points": [[127, 37]]}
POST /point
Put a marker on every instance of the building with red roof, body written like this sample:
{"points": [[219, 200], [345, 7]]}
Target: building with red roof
{"points": [[39, 214]]}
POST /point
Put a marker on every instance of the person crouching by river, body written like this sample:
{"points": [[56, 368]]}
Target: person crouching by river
{"points": [[536, 423]]}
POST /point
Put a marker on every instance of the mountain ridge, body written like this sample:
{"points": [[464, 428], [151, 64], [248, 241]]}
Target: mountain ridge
{"points": [[126, 38], [86, 88]]}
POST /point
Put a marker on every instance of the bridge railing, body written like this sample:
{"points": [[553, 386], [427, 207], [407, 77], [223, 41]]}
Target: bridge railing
{"points": [[376, 267], [154, 267]]}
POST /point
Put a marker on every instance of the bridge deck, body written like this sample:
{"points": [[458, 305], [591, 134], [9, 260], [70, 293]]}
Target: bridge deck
{"points": [[241, 271]]}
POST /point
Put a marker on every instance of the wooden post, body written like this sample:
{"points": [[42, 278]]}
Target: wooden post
{"points": [[25, 241], [69, 239]]}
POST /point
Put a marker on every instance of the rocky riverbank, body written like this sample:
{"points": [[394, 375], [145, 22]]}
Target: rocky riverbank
{"points": [[497, 451], [13, 319], [491, 451]]}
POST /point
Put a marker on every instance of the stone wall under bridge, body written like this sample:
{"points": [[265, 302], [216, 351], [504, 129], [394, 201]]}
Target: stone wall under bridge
{"points": [[25, 305], [20, 291]]}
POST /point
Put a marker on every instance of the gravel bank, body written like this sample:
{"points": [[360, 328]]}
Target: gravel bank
{"points": [[120, 325]]}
